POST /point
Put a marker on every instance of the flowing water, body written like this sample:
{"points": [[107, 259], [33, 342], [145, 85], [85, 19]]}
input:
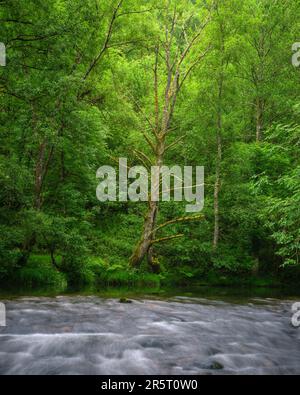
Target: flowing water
{"points": [[171, 335]]}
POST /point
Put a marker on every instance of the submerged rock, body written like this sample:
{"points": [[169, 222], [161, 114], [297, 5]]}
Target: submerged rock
{"points": [[124, 300], [216, 366]]}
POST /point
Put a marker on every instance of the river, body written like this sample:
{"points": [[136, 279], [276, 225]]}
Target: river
{"points": [[176, 334]]}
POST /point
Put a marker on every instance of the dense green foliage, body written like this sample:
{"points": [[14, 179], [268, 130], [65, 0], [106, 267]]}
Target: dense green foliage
{"points": [[78, 92]]}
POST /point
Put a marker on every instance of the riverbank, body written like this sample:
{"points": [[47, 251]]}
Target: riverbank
{"points": [[39, 273]]}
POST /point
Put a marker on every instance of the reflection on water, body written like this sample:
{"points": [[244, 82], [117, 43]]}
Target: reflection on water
{"points": [[176, 335]]}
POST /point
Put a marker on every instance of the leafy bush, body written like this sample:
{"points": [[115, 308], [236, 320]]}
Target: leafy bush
{"points": [[39, 272]]}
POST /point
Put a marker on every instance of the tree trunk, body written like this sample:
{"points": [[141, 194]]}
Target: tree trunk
{"points": [[217, 186], [144, 245], [39, 170], [53, 259], [144, 248], [217, 192], [259, 118]]}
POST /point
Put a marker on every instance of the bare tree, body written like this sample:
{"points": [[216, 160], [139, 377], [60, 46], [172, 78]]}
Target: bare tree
{"points": [[179, 60]]}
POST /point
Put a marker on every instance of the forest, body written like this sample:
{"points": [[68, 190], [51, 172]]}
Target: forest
{"points": [[212, 83]]}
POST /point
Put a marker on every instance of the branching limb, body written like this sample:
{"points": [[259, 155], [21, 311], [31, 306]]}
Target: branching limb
{"points": [[134, 12], [16, 21], [156, 102], [180, 220], [149, 142], [192, 42], [163, 239], [143, 157], [193, 65], [146, 118], [106, 42], [177, 141]]}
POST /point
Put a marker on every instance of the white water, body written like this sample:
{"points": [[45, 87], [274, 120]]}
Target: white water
{"points": [[91, 335]]}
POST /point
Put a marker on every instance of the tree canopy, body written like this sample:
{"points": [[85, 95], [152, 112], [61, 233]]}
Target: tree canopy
{"points": [[191, 82]]}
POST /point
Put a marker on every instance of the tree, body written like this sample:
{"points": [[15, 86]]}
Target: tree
{"points": [[180, 58]]}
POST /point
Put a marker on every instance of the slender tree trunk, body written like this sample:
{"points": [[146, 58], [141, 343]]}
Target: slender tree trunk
{"points": [[259, 118], [217, 188], [62, 166], [53, 259], [39, 170]]}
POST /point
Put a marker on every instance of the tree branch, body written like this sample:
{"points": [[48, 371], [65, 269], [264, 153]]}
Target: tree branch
{"points": [[143, 157], [149, 142], [16, 21], [106, 42], [163, 239], [156, 103], [179, 220], [177, 141], [193, 65], [134, 12]]}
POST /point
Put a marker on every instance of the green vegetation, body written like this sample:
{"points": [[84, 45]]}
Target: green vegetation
{"points": [[186, 82]]}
